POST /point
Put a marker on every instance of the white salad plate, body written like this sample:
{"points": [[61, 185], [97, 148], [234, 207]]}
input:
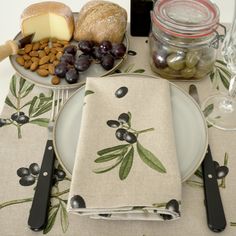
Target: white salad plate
{"points": [[95, 69], [189, 125]]}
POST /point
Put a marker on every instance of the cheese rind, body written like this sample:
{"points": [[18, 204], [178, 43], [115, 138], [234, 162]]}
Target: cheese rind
{"points": [[48, 19]]}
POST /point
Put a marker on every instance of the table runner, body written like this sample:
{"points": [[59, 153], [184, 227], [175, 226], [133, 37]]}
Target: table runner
{"points": [[22, 146]]}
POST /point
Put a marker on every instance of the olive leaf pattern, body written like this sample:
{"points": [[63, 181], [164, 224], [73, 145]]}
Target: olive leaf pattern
{"points": [[221, 173], [123, 154], [28, 176], [220, 75], [29, 112]]}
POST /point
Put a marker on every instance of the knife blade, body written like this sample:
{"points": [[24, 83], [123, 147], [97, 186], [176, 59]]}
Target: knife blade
{"points": [[11, 46], [214, 207]]}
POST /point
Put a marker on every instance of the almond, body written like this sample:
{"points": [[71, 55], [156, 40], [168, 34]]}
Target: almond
{"points": [[41, 54], [43, 41], [28, 48], [34, 66], [20, 60], [33, 59], [27, 64], [52, 57], [34, 54], [51, 69], [42, 72], [59, 55], [36, 46], [55, 80], [59, 49], [44, 60], [26, 57], [53, 50], [43, 45], [63, 42], [47, 50], [55, 45], [45, 66], [55, 63], [21, 52]]}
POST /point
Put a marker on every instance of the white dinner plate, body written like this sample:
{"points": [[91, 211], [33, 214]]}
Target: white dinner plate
{"points": [[94, 70], [189, 126]]}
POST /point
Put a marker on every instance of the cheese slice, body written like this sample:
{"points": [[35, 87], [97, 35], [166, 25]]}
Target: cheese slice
{"points": [[48, 19]]}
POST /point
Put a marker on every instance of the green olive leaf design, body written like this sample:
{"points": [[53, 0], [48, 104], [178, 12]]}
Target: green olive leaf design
{"points": [[109, 157], [22, 83], [126, 164], [51, 219], [198, 173], [225, 70], [40, 121], [130, 117], [224, 81], [212, 74], [34, 104], [150, 159], [108, 168], [139, 71], [13, 86], [112, 149], [43, 109], [9, 103], [221, 62], [208, 110], [64, 217], [88, 92], [26, 90]]}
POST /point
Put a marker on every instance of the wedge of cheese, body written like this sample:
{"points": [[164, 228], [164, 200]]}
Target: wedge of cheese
{"points": [[48, 19]]}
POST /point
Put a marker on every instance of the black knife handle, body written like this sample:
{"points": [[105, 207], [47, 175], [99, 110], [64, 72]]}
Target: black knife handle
{"points": [[38, 213], [215, 212]]}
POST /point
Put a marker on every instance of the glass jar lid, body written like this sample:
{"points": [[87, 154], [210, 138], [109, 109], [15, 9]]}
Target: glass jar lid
{"points": [[186, 18]]}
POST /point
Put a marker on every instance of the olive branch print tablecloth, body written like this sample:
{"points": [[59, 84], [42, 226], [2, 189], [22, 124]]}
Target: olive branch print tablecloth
{"points": [[22, 142]]}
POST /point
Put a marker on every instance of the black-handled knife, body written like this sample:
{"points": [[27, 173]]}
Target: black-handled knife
{"points": [[39, 210], [214, 207]]}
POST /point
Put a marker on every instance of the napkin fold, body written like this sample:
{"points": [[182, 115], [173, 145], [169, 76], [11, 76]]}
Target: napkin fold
{"points": [[126, 166]]}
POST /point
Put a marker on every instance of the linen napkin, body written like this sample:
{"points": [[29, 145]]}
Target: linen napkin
{"points": [[126, 166]]}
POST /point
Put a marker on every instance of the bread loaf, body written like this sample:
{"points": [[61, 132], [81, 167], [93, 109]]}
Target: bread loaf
{"points": [[48, 19], [99, 21]]}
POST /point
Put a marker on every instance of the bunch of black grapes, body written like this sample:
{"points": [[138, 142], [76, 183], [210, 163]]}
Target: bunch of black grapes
{"points": [[72, 62]]}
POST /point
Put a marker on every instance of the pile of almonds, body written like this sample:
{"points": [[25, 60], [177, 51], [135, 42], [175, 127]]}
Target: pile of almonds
{"points": [[42, 57]]}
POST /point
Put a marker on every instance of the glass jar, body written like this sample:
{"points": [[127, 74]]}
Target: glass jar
{"points": [[184, 40]]}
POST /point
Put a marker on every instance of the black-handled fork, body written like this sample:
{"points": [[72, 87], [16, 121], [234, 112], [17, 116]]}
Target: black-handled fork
{"points": [[214, 207], [39, 210]]}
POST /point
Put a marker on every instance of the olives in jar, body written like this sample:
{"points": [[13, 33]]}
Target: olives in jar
{"points": [[182, 40], [176, 63]]}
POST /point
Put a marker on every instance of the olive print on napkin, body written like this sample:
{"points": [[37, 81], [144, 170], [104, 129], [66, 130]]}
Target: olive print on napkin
{"points": [[123, 155]]}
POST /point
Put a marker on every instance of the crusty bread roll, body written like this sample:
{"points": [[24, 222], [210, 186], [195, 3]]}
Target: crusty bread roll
{"points": [[99, 21], [48, 19]]}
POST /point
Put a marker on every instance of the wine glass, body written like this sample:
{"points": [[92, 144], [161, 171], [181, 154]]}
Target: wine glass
{"points": [[221, 108]]}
